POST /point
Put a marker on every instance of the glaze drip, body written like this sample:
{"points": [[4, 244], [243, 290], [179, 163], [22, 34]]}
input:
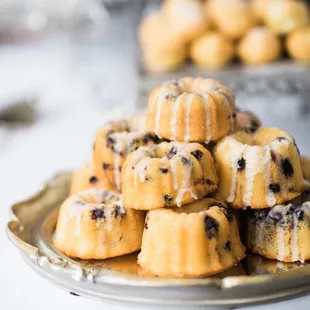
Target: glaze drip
{"points": [[103, 200]]}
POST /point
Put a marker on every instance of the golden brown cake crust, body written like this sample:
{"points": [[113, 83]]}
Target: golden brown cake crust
{"points": [[191, 110], [233, 18], [163, 49], [94, 225], [247, 121], [282, 17], [186, 18], [112, 145], [212, 50], [167, 174], [259, 46], [196, 240], [85, 178], [298, 44], [258, 170], [281, 232]]}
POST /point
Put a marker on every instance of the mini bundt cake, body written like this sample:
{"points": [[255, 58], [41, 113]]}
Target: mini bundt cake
{"points": [[162, 48], [233, 18], [191, 110], [84, 178], [247, 121], [157, 61], [186, 18], [198, 239], [113, 143], [283, 17], [167, 175], [212, 50], [281, 232], [258, 170], [298, 44], [155, 32], [259, 46], [259, 7], [305, 164], [137, 122], [94, 225]]}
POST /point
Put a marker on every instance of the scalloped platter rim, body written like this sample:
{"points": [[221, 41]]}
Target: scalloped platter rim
{"points": [[121, 280]]}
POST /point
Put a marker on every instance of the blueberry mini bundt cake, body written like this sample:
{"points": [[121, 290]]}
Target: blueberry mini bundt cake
{"points": [[258, 170], [137, 122], [84, 178], [196, 240], [112, 145], [186, 234], [281, 232], [94, 225], [247, 121], [167, 175], [191, 110]]}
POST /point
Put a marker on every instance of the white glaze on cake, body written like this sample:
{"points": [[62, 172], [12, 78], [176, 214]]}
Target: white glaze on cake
{"points": [[142, 159], [200, 87], [237, 150], [79, 206], [253, 168], [186, 186], [123, 146], [141, 170], [188, 102], [160, 99], [280, 232], [294, 237], [181, 181], [205, 98], [173, 122], [258, 161], [271, 199], [174, 171]]}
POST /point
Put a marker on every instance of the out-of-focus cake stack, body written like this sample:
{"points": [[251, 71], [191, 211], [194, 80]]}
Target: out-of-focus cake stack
{"points": [[213, 33], [171, 188]]}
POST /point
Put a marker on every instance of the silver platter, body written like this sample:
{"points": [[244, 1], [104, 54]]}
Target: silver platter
{"points": [[255, 280]]}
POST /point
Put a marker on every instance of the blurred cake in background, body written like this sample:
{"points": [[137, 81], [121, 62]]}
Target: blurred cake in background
{"points": [[258, 46], [212, 50], [232, 17], [211, 33], [163, 49], [283, 17], [187, 18], [298, 44]]}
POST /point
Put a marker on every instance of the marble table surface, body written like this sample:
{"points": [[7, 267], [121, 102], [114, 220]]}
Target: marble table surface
{"points": [[72, 104]]}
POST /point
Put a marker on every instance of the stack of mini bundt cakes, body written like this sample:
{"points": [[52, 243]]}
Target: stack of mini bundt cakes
{"points": [[167, 181]]}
